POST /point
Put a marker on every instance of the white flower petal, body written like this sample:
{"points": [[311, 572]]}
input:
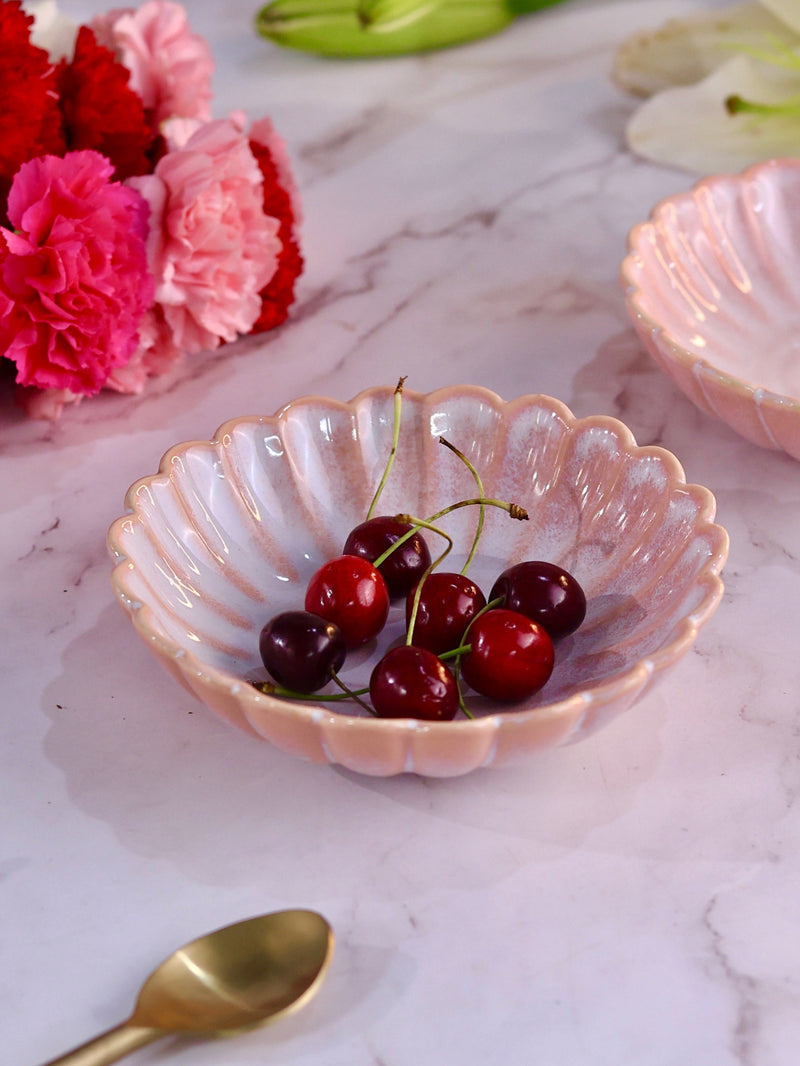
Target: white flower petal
{"points": [[688, 127], [787, 11], [52, 31], [685, 50]]}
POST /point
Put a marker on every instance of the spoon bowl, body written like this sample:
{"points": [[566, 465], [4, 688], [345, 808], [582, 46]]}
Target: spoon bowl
{"points": [[227, 982]]}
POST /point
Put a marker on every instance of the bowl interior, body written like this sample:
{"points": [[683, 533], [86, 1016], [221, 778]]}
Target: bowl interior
{"points": [[718, 269], [229, 532]]}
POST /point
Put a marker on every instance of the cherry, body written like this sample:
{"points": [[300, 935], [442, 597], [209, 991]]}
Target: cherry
{"points": [[447, 604], [510, 656], [301, 650], [349, 592], [412, 682], [545, 593], [405, 566]]}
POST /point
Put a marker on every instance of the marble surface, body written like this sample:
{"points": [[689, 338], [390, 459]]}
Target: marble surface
{"points": [[631, 899]]}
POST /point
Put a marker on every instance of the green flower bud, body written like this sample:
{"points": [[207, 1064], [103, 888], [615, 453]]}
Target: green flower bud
{"points": [[379, 27]]}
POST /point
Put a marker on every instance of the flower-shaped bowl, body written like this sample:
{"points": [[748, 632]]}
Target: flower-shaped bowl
{"points": [[712, 285], [229, 531]]}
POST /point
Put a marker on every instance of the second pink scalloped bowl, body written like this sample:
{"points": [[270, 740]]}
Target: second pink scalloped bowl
{"points": [[712, 285]]}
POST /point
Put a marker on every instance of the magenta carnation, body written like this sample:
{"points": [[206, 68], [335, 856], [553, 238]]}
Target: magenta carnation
{"points": [[170, 66], [214, 249], [74, 282]]}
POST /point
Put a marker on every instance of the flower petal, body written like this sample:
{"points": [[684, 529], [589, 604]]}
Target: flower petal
{"points": [[685, 50], [787, 11], [52, 30], [688, 126]]}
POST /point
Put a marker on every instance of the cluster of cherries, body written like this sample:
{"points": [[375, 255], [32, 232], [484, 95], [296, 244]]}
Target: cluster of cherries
{"points": [[502, 648]]}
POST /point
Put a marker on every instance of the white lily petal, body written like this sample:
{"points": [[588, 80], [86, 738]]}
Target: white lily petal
{"points": [[787, 11], [685, 50], [52, 30], [688, 127]]}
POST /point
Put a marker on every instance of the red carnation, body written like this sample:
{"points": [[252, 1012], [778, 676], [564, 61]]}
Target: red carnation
{"points": [[100, 109], [278, 295], [30, 121]]}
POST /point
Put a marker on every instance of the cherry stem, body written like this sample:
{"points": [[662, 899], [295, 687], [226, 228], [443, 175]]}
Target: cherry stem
{"points": [[398, 398], [465, 647], [354, 694], [453, 653], [418, 590], [270, 689], [513, 509], [482, 513], [416, 525]]}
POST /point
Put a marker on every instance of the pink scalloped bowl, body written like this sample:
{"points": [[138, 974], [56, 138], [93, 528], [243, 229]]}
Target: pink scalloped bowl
{"points": [[712, 285], [229, 531]]}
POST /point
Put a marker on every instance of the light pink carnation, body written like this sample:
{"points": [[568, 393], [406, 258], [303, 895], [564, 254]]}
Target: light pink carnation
{"points": [[44, 403], [170, 66], [157, 353], [74, 282], [211, 248]]}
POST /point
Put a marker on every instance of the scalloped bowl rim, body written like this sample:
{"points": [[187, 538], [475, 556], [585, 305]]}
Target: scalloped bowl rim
{"points": [[753, 393], [628, 682]]}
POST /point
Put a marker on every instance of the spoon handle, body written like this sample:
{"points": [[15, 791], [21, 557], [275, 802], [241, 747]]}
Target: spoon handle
{"points": [[108, 1047]]}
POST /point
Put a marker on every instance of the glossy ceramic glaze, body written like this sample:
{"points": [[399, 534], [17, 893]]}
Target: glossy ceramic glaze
{"points": [[712, 284], [229, 531]]}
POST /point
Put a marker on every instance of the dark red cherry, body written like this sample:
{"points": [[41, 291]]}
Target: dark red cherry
{"points": [[511, 657], [412, 682], [545, 593], [350, 592], [405, 566], [447, 604], [301, 650]]}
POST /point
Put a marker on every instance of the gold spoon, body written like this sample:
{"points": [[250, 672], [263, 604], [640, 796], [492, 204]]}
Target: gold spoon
{"points": [[225, 982]]}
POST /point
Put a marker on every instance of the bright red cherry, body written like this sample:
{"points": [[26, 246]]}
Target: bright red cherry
{"points": [[511, 657], [301, 650], [447, 604], [545, 593], [405, 566], [412, 682], [350, 592]]}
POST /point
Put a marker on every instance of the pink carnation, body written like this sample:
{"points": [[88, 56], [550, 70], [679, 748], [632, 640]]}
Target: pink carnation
{"points": [[170, 66], [211, 248], [74, 283], [44, 403]]}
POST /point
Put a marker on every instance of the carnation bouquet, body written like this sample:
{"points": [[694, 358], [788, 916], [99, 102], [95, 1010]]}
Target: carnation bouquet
{"points": [[136, 229]]}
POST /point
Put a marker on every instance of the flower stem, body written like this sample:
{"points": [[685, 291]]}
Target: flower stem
{"points": [[737, 105]]}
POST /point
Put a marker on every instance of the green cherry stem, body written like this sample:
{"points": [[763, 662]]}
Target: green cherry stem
{"points": [[418, 590], [465, 647], [481, 513], [350, 693], [268, 688], [454, 653], [398, 400], [513, 509], [416, 525]]}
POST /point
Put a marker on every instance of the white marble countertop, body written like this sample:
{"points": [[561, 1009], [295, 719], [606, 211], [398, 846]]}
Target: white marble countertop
{"points": [[628, 900]]}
